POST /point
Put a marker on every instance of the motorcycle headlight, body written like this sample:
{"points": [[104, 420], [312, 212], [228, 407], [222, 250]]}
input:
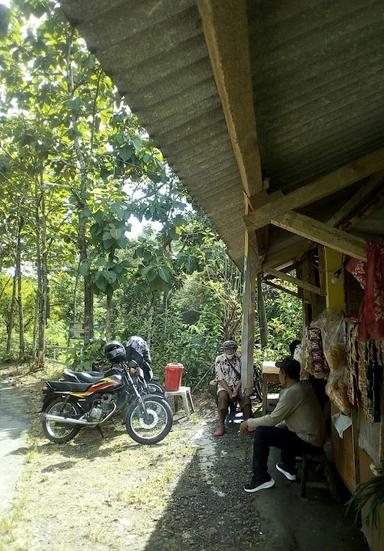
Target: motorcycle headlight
{"points": [[133, 370]]}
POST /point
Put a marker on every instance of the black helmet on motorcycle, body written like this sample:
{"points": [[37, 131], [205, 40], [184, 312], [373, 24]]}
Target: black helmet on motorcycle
{"points": [[115, 351]]}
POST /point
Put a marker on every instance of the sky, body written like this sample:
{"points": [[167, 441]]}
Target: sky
{"points": [[137, 227]]}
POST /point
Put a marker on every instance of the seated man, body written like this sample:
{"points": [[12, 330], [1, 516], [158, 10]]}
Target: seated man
{"points": [[228, 377], [303, 430]]}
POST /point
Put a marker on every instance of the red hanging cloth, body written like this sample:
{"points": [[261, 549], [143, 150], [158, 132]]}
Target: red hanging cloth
{"points": [[371, 315]]}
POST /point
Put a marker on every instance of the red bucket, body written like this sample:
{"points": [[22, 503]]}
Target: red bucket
{"points": [[173, 375]]}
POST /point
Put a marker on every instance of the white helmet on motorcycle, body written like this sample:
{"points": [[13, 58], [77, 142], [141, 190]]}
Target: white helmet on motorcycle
{"points": [[115, 351]]}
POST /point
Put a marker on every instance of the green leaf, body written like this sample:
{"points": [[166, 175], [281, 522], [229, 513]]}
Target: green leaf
{"points": [[125, 153], [84, 268], [121, 243], [164, 274], [100, 281], [119, 211], [110, 276], [120, 138], [116, 233], [138, 144]]}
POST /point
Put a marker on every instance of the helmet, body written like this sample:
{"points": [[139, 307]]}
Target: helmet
{"points": [[115, 351], [230, 344]]}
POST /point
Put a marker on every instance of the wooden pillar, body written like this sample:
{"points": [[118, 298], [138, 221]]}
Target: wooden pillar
{"points": [[261, 314], [334, 287], [248, 321], [345, 450]]}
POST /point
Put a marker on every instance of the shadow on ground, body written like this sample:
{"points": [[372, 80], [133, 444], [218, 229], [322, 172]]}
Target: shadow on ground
{"points": [[209, 510]]}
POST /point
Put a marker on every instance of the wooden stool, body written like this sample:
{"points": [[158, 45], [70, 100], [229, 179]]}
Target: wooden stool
{"points": [[329, 483], [185, 393]]}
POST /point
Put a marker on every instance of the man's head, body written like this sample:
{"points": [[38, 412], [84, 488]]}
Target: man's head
{"points": [[289, 371], [230, 348]]}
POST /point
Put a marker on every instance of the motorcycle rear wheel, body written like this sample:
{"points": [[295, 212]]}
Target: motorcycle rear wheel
{"points": [[152, 427], [155, 388], [59, 433]]}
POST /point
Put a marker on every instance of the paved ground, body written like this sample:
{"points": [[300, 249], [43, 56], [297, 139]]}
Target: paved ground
{"points": [[13, 424]]}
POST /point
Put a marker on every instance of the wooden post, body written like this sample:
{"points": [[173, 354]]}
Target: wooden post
{"points": [[261, 314], [248, 321], [346, 454], [334, 279]]}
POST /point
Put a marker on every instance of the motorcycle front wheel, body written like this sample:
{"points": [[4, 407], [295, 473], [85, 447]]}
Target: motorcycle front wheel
{"points": [[149, 424], [55, 431]]}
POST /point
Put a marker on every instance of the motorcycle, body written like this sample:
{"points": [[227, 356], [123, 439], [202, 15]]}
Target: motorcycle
{"points": [[68, 406], [148, 384]]}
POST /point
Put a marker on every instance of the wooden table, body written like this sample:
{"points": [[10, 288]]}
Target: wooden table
{"points": [[270, 375]]}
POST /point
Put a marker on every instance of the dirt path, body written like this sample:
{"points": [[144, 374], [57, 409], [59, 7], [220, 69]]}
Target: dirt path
{"points": [[208, 509], [184, 494], [13, 425]]}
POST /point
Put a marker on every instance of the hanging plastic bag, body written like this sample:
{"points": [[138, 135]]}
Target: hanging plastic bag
{"points": [[332, 326]]}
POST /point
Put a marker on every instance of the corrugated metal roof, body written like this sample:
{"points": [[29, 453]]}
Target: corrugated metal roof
{"points": [[155, 53], [318, 79], [318, 73]]}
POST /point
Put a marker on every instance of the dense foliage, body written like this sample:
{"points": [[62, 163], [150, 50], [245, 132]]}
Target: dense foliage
{"points": [[75, 167]]}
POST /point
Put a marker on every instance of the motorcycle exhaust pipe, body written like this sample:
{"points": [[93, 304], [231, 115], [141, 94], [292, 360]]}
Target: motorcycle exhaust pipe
{"points": [[72, 421], [67, 420]]}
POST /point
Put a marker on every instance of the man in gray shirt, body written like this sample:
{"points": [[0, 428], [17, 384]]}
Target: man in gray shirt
{"points": [[301, 428]]}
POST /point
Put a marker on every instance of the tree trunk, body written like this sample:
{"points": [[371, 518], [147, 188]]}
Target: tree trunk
{"points": [[74, 303], [261, 314], [150, 320], [5, 286], [47, 291], [41, 258], [11, 316], [165, 310], [82, 201], [20, 295], [35, 324], [88, 286], [109, 313], [108, 319]]}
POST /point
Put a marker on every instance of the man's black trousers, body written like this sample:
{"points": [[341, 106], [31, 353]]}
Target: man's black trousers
{"points": [[289, 443]]}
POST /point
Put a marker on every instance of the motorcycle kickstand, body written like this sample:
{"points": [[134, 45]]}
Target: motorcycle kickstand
{"points": [[100, 431]]}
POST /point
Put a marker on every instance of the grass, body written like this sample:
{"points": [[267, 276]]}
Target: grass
{"points": [[63, 489]]}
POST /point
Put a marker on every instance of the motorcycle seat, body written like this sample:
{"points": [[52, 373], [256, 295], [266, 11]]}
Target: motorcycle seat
{"points": [[68, 386], [84, 376]]}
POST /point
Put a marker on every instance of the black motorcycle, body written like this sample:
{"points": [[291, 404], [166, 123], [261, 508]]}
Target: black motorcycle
{"points": [[147, 384], [68, 406], [116, 352]]}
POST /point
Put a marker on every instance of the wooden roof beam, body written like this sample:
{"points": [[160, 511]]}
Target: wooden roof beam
{"points": [[320, 188], [298, 282], [322, 233], [280, 287], [357, 199], [225, 25], [286, 255]]}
